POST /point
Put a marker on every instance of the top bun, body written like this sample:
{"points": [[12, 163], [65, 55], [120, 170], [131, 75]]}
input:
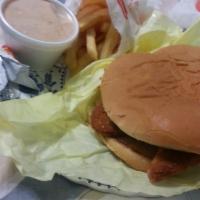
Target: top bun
{"points": [[155, 98]]}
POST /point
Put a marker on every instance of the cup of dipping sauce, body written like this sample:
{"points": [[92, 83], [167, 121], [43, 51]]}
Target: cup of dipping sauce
{"points": [[38, 31]]}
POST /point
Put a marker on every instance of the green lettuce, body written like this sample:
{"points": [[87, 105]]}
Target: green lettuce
{"points": [[49, 134]]}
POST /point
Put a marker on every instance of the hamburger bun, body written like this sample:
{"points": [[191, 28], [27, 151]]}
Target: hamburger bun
{"points": [[139, 159], [155, 98], [136, 154]]}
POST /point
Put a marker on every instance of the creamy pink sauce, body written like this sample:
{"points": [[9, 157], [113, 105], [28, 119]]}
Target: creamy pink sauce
{"points": [[39, 19]]}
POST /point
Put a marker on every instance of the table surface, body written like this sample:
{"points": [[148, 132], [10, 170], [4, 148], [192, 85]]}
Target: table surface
{"points": [[60, 189]]}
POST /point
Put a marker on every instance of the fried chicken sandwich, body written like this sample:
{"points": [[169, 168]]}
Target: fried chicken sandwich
{"points": [[149, 113]]}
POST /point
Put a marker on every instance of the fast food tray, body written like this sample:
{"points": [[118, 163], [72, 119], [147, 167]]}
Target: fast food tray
{"points": [[61, 188]]}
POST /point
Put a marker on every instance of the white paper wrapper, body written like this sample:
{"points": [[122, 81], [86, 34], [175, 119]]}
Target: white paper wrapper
{"points": [[14, 71], [124, 20], [9, 176], [183, 12]]}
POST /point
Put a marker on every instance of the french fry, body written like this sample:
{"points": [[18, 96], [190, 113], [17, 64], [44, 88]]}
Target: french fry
{"points": [[100, 38], [99, 47], [70, 57], [97, 38], [87, 11], [91, 44], [81, 52], [110, 43], [83, 61], [104, 27], [94, 19], [81, 41], [91, 2]]}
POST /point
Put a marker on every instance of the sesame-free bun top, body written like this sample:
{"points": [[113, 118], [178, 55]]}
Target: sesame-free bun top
{"points": [[155, 98]]}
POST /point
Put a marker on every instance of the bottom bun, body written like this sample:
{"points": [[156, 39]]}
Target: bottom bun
{"points": [[132, 153]]}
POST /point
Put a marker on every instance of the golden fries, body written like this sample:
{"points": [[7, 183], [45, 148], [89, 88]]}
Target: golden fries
{"points": [[84, 60], [104, 27], [98, 38], [99, 48], [91, 44], [91, 20], [93, 2], [111, 41], [88, 10], [71, 57]]}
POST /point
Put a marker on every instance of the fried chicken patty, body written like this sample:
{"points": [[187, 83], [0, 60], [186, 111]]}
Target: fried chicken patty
{"points": [[169, 162], [101, 122], [103, 125], [165, 162]]}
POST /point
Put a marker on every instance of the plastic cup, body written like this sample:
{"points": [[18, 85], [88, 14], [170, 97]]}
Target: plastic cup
{"points": [[40, 55]]}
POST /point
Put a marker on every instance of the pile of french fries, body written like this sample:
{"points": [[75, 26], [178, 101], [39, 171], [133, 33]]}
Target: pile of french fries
{"points": [[98, 38]]}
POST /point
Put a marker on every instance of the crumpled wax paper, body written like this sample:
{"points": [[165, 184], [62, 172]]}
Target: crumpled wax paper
{"points": [[49, 134], [182, 12], [9, 176], [158, 31]]}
